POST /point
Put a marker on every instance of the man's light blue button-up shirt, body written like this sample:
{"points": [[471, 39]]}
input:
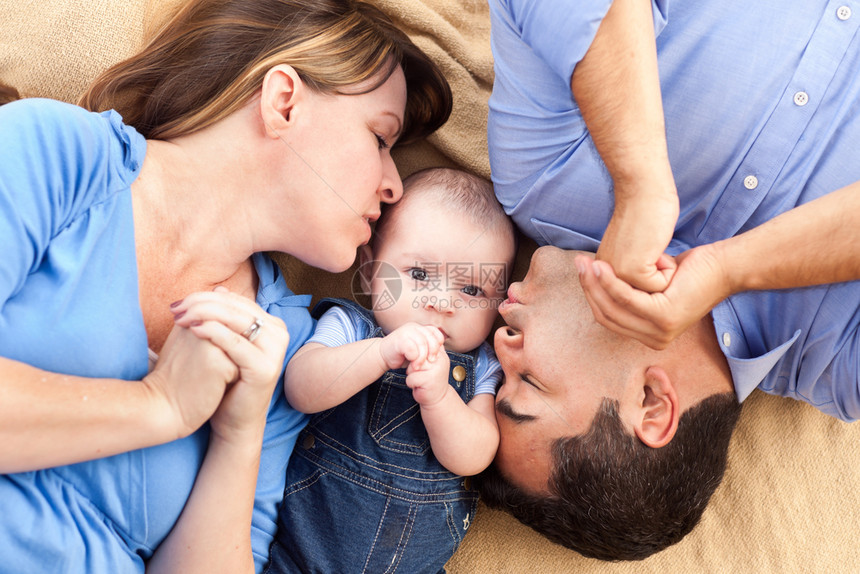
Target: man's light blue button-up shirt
{"points": [[762, 114]]}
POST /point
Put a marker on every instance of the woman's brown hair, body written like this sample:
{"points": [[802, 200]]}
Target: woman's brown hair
{"points": [[8, 94], [211, 58]]}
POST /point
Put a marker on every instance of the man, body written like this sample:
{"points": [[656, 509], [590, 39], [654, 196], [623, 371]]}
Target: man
{"points": [[748, 186]]}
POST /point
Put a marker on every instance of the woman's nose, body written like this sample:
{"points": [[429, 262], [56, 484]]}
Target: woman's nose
{"points": [[391, 186]]}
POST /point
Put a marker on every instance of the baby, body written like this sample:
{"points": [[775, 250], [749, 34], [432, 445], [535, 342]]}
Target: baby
{"points": [[405, 392]]}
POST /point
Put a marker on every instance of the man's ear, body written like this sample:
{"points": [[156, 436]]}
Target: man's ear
{"points": [[282, 90], [365, 267], [659, 410]]}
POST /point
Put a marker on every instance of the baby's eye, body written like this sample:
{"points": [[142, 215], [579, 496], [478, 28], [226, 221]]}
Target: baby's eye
{"points": [[472, 290], [418, 274]]}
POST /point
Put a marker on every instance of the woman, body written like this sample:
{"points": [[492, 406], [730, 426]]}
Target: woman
{"points": [[134, 302]]}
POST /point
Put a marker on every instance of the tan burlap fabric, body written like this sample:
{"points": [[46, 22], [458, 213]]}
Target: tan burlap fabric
{"points": [[791, 498]]}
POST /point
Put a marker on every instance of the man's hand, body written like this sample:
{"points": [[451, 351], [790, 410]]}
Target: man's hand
{"points": [[699, 282], [637, 236]]}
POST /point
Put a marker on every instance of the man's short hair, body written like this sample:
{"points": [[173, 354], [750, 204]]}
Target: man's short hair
{"points": [[615, 498]]}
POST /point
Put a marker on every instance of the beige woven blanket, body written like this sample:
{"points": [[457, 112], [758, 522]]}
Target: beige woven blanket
{"points": [[790, 501]]}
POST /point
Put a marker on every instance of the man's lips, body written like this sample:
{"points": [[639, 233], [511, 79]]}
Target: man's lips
{"points": [[512, 298]]}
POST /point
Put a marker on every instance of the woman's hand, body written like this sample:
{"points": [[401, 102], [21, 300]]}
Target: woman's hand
{"points": [[192, 375], [227, 321]]}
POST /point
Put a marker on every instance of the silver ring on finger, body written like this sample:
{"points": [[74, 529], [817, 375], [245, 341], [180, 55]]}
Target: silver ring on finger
{"points": [[253, 330]]}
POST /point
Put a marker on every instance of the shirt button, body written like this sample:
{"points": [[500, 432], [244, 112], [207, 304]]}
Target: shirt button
{"points": [[459, 373], [801, 98], [727, 340], [843, 12], [750, 182], [308, 442]]}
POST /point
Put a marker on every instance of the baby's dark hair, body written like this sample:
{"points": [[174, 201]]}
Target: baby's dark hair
{"points": [[457, 190]]}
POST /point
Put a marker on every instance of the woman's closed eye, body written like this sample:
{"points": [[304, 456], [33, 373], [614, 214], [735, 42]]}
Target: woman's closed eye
{"points": [[382, 142]]}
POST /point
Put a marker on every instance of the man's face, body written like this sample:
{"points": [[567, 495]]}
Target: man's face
{"points": [[557, 364]]}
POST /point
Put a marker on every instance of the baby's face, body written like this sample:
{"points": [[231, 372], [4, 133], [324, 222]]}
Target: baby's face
{"points": [[435, 267]]}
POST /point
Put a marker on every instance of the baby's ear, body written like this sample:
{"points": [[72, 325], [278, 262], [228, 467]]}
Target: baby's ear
{"points": [[365, 267]]}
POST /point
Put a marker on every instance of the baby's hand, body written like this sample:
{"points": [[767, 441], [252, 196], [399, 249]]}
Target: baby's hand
{"points": [[411, 344], [429, 381]]}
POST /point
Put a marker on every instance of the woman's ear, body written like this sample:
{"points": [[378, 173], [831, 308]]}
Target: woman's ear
{"points": [[282, 90], [658, 412]]}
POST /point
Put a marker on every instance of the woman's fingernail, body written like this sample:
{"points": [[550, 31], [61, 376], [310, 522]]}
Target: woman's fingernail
{"points": [[178, 316], [176, 304], [596, 268], [195, 323]]}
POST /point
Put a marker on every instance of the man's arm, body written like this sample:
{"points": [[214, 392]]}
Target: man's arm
{"points": [[813, 244], [617, 88]]}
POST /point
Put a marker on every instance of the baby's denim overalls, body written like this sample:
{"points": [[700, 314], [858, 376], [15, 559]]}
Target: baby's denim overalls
{"points": [[364, 492]]}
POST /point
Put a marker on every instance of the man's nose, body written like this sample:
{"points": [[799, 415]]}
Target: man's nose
{"points": [[507, 340], [508, 344]]}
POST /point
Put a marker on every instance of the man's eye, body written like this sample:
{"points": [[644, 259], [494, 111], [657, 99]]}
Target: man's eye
{"points": [[472, 290], [418, 274]]}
